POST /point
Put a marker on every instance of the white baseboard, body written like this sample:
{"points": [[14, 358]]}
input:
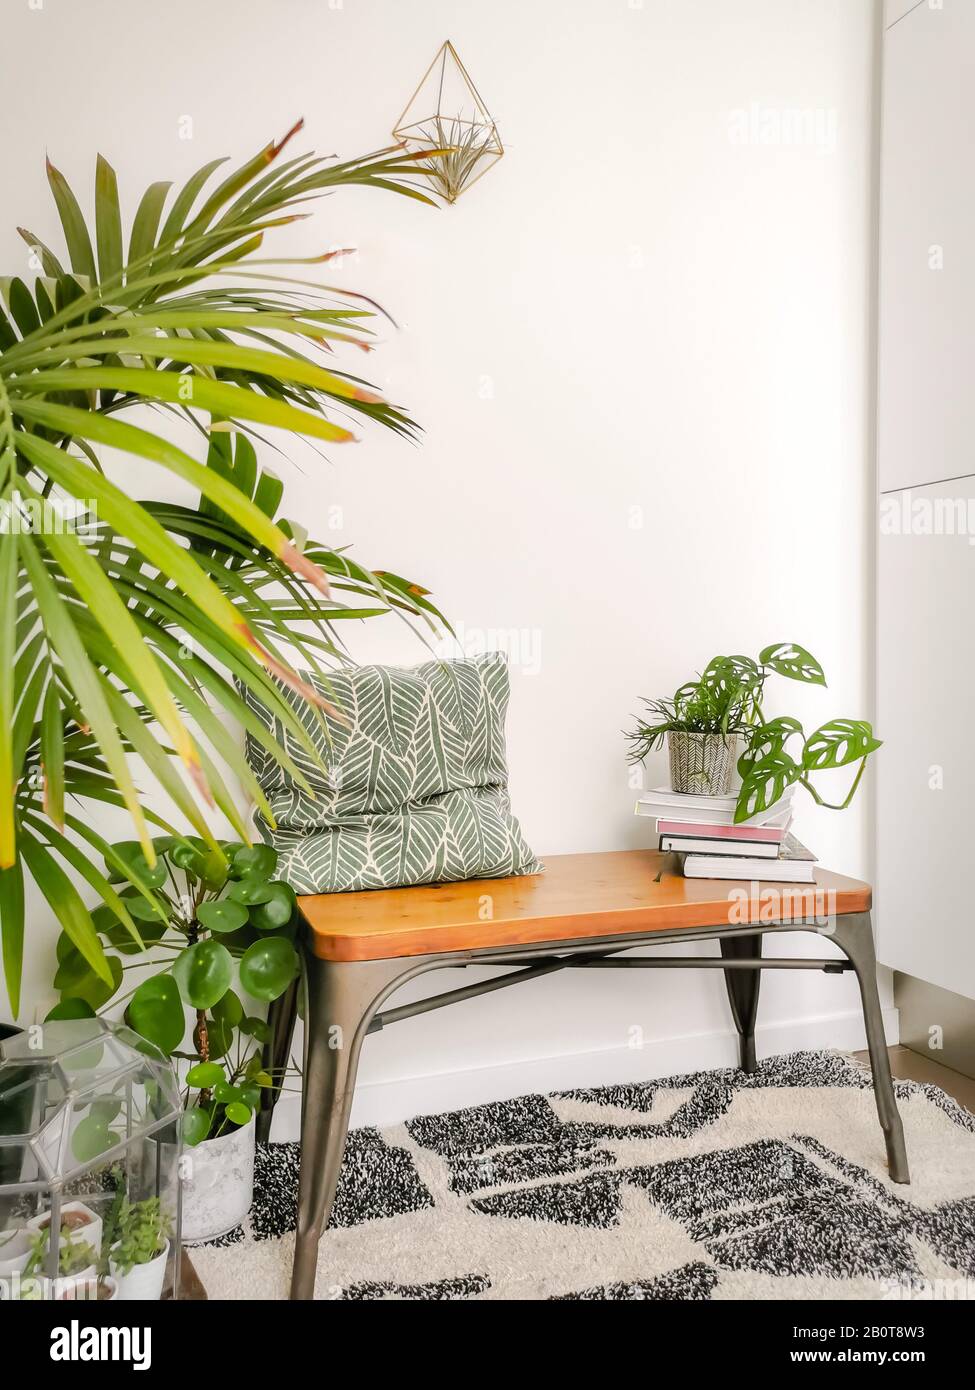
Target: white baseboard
{"points": [[389, 1102]]}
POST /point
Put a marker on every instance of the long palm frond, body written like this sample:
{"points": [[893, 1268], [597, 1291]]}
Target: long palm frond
{"points": [[127, 638]]}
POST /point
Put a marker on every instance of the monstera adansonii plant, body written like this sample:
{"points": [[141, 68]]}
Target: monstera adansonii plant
{"points": [[124, 642]]}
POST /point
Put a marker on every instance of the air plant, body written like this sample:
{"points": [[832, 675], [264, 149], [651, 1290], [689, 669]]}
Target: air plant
{"points": [[458, 147]]}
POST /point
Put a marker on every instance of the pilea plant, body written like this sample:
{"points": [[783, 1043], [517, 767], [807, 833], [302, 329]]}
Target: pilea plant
{"points": [[728, 697], [207, 921]]}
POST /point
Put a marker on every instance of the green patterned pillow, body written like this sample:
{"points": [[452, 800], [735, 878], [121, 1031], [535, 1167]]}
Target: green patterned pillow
{"points": [[416, 790]]}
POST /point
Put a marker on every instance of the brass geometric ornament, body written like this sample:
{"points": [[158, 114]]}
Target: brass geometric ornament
{"points": [[447, 113]]}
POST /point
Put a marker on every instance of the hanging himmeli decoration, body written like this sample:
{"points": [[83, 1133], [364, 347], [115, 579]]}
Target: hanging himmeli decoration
{"points": [[447, 114]]}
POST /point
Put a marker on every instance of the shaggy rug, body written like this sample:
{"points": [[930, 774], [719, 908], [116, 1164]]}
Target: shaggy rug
{"points": [[714, 1185]]}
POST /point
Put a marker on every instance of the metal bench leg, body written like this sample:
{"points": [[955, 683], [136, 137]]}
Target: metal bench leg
{"points": [[277, 1053], [743, 986], [341, 998], [854, 935]]}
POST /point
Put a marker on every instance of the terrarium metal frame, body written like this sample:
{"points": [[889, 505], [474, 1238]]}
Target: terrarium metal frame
{"points": [[45, 1050]]}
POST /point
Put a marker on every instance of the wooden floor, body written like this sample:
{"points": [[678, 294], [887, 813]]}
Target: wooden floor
{"points": [[912, 1066], [191, 1285]]}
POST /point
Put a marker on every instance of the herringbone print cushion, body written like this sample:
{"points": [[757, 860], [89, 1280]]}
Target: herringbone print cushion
{"points": [[416, 788]]}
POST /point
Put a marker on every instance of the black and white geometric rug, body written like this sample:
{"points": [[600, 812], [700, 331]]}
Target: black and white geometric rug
{"points": [[714, 1185]]}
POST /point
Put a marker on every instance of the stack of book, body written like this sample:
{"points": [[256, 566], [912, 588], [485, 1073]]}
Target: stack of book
{"points": [[702, 831]]}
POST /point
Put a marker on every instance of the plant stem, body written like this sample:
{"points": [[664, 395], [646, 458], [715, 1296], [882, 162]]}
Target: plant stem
{"points": [[201, 1036], [829, 805]]}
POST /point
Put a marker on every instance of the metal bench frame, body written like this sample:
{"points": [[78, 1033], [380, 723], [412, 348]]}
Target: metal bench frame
{"points": [[343, 1001]]}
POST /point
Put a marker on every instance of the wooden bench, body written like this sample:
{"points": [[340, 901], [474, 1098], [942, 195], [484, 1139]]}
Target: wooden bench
{"points": [[582, 913]]}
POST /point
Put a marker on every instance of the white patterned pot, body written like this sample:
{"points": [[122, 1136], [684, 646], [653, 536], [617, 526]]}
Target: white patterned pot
{"points": [[702, 763], [143, 1282], [218, 1184]]}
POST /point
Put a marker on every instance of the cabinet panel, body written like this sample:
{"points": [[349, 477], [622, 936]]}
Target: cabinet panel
{"points": [[926, 716], [927, 405], [895, 10]]}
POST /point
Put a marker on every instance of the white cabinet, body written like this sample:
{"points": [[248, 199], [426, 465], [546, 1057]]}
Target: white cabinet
{"points": [[926, 716], [927, 235], [926, 558]]}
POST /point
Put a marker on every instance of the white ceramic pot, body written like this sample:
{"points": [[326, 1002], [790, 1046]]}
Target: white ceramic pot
{"points": [[90, 1232], [34, 1289], [218, 1184], [72, 1285], [143, 1282], [14, 1251], [86, 1288]]}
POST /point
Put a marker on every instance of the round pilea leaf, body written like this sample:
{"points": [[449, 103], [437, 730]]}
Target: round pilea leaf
{"points": [[75, 979], [191, 854], [215, 870], [268, 967], [276, 911], [228, 1010], [104, 1109], [120, 940], [205, 1074], [196, 1125], [255, 859], [251, 889], [238, 1113], [203, 973], [131, 852], [222, 915], [256, 1028], [70, 1008], [91, 1137], [156, 1012], [142, 909]]}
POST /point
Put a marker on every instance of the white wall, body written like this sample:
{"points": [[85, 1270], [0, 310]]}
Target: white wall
{"points": [[656, 308]]}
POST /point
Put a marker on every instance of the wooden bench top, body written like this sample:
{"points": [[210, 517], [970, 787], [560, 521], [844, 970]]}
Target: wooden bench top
{"points": [[578, 896]]}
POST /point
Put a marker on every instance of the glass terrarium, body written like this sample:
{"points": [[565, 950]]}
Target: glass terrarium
{"points": [[89, 1164]]}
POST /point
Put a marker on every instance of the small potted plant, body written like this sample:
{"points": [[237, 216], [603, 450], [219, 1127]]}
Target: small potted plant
{"points": [[702, 723], [78, 1224], [138, 1256], [217, 933], [707, 720], [76, 1260]]}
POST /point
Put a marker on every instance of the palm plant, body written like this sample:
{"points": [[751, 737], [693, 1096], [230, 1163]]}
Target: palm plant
{"points": [[121, 643]]}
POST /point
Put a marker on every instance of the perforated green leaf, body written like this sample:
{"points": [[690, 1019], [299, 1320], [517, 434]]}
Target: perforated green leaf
{"points": [[839, 742], [789, 659]]}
